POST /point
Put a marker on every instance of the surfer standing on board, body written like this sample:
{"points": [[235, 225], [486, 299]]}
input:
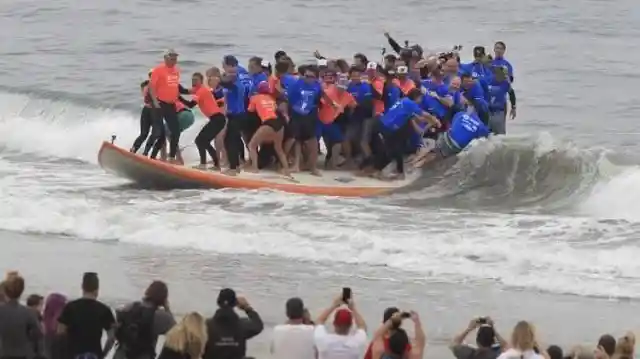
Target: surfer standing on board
{"points": [[164, 89]]}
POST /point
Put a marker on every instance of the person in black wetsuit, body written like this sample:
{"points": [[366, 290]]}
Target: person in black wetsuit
{"points": [[145, 118]]}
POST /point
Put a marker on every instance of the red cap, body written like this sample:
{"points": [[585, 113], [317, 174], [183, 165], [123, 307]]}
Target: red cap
{"points": [[263, 88], [343, 318]]}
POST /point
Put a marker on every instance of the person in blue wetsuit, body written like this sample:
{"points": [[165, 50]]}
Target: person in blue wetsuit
{"points": [[362, 92], [478, 68], [256, 73], [234, 97], [390, 92], [304, 97], [498, 59], [466, 126], [499, 87], [395, 127], [474, 94]]}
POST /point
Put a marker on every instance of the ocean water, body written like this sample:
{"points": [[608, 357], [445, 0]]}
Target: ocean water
{"points": [[552, 207]]}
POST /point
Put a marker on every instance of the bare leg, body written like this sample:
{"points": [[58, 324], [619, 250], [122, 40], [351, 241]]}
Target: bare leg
{"points": [[311, 149], [297, 153], [260, 137], [335, 158]]}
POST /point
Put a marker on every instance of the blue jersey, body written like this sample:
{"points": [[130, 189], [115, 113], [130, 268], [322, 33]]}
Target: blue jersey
{"points": [[503, 62], [360, 91], [498, 95], [245, 78], [477, 97], [234, 97], [466, 127], [477, 70], [255, 80], [392, 96], [304, 97], [433, 106], [287, 81], [399, 114], [441, 89]]}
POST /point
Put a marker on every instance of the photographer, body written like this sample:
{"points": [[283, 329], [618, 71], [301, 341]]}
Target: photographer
{"points": [[342, 343], [490, 343], [398, 340]]}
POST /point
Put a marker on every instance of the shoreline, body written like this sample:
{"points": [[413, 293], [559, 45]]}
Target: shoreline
{"points": [[194, 279]]}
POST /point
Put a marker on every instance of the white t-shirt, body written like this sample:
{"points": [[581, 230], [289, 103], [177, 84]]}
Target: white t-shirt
{"points": [[293, 341], [334, 346], [517, 354]]}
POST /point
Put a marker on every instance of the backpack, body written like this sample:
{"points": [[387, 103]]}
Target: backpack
{"points": [[135, 332]]}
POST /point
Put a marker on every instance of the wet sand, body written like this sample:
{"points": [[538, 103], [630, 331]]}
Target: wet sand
{"points": [[57, 263]]}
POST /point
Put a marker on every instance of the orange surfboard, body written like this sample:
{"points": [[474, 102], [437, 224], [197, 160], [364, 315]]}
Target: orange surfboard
{"points": [[149, 173]]}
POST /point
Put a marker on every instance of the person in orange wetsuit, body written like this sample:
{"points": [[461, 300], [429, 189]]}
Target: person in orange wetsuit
{"points": [[203, 97], [327, 128], [263, 105], [164, 89]]}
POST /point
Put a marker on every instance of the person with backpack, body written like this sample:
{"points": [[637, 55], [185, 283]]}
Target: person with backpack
{"points": [[227, 332], [141, 322]]}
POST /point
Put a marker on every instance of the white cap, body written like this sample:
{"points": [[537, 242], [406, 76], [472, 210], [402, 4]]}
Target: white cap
{"points": [[265, 63], [403, 70], [322, 62], [372, 66], [170, 52]]}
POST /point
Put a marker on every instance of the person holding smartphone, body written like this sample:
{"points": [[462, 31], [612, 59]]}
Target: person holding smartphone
{"points": [[343, 343], [391, 341], [486, 339]]}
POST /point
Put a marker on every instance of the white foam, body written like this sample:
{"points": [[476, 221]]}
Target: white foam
{"points": [[618, 197]]}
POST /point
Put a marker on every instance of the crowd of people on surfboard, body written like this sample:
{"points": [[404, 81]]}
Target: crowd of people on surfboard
{"points": [[55, 327], [367, 114]]}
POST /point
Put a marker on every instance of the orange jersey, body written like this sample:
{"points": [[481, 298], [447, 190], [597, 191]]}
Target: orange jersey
{"points": [[264, 106], [165, 82], [378, 105], [328, 113], [207, 103], [405, 86]]}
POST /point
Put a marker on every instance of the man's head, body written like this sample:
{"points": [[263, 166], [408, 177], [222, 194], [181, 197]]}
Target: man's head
{"points": [[485, 337], [157, 293], [229, 63], [227, 298], [35, 301], [499, 48], [170, 58], [608, 343], [90, 284], [342, 321], [255, 65], [295, 309], [14, 287], [479, 53]]}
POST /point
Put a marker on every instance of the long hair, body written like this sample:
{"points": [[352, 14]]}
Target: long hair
{"points": [[523, 337], [189, 336], [53, 306]]}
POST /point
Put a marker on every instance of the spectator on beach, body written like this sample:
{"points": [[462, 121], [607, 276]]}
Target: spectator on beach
{"points": [[186, 340], [342, 344], [294, 339], [555, 352], [524, 344], [54, 343], [83, 321], [398, 340], [490, 343], [141, 322], [607, 343], [3, 296], [35, 302], [228, 333], [385, 339], [20, 333]]}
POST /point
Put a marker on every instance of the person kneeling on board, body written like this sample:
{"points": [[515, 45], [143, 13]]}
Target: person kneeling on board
{"points": [[466, 126], [395, 129], [271, 129], [214, 129]]}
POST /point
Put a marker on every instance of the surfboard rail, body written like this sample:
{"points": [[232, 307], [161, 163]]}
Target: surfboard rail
{"points": [[155, 174]]}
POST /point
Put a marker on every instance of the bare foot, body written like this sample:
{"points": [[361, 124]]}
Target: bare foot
{"points": [[295, 169], [230, 172], [200, 167], [252, 169], [315, 172], [214, 169]]}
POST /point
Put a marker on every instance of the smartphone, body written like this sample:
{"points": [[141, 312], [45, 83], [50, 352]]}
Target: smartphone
{"points": [[482, 320], [405, 315], [346, 294]]}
